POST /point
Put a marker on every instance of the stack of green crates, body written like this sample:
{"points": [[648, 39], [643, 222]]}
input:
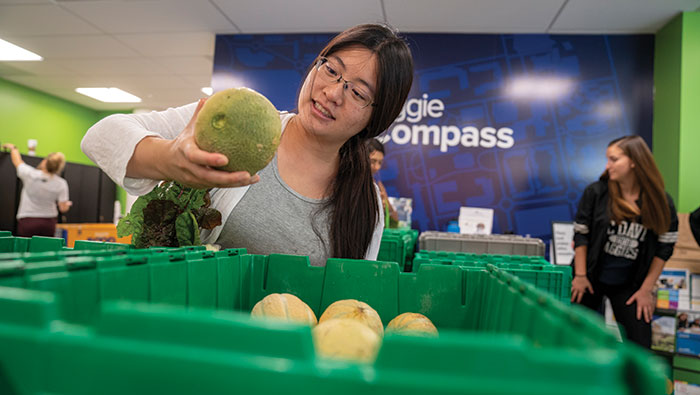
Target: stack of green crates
{"points": [[397, 246], [177, 321], [490, 258], [9, 243], [686, 369], [532, 269]]}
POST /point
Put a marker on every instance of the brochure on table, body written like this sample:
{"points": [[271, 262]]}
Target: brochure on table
{"points": [[562, 249], [673, 290], [475, 220]]}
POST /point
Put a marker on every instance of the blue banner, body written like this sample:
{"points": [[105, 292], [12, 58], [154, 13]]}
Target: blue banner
{"points": [[518, 123]]}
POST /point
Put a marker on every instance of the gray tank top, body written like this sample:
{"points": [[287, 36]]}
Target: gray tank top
{"points": [[272, 218]]}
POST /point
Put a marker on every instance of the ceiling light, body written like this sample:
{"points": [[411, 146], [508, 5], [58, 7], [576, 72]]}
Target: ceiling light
{"points": [[208, 90], [11, 52], [539, 87], [109, 95]]}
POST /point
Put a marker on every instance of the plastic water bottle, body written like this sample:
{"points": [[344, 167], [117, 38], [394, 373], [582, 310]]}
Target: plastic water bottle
{"points": [[453, 227], [387, 219], [117, 211]]}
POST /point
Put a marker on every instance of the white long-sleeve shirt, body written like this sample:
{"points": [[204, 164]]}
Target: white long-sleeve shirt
{"points": [[111, 142]]}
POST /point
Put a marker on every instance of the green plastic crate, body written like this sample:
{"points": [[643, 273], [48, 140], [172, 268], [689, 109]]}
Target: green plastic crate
{"points": [[11, 244], [14, 244], [154, 325], [99, 245], [491, 258], [397, 245], [109, 251], [174, 276], [554, 279], [42, 244], [686, 369]]}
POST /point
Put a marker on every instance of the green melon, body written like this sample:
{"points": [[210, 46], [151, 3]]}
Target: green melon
{"points": [[241, 124]]}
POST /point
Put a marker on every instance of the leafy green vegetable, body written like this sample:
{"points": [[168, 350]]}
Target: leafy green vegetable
{"points": [[186, 229], [169, 216]]}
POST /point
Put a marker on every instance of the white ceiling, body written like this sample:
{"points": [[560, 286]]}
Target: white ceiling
{"points": [[162, 50]]}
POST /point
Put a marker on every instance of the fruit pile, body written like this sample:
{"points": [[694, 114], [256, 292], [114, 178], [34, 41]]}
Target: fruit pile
{"points": [[348, 329]]}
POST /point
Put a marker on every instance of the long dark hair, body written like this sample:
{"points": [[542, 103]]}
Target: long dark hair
{"points": [[375, 145], [654, 211], [353, 203]]}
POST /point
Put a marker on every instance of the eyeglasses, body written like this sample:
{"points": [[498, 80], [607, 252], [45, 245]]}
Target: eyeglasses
{"points": [[329, 72]]}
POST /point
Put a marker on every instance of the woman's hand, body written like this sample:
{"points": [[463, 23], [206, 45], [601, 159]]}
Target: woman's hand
{"points": [[646, 303], [183, 161], [8, 146], [579, 286], [384, 196]]}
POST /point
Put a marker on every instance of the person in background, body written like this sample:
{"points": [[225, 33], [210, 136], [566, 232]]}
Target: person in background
{"points": [[694, 220], [316, 197], [376, 158], [43, 195], [682, 321], [624, 232]]}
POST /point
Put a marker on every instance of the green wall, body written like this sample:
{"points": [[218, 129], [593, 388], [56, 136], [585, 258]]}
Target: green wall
{"points": [[676, 130], [689, 167], [667, 99], [57, 124]]}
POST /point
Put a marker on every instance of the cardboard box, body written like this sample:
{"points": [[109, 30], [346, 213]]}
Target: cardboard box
{"points": [[685, 236], [686, 254], [95, 232]]}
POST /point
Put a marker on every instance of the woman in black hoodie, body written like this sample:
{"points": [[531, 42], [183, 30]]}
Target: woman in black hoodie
{"points": [[624, 232]]}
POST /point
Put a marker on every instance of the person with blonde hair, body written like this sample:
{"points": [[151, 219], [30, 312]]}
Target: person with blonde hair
{"points": [[43, 195], [624, 232]]}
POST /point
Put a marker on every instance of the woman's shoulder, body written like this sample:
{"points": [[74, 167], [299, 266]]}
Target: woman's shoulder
{"points": [[669, 200], [285, 117], [28, 171], [598, 187]]}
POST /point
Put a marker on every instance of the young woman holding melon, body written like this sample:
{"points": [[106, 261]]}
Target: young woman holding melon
{"points": [[316, 197]]}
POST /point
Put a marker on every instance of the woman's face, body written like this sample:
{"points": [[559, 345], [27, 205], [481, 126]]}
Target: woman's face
{"points": [[326, 109], [376, 159], [619, 166]]}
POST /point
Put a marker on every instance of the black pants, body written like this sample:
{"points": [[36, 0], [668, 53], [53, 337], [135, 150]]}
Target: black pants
{"points": [[638, 331]]}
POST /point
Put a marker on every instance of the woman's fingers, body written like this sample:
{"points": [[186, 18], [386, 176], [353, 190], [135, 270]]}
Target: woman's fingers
{"points": [[200, 104], [203, 177], [647, 315], [576, 296], [200, 157]]}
